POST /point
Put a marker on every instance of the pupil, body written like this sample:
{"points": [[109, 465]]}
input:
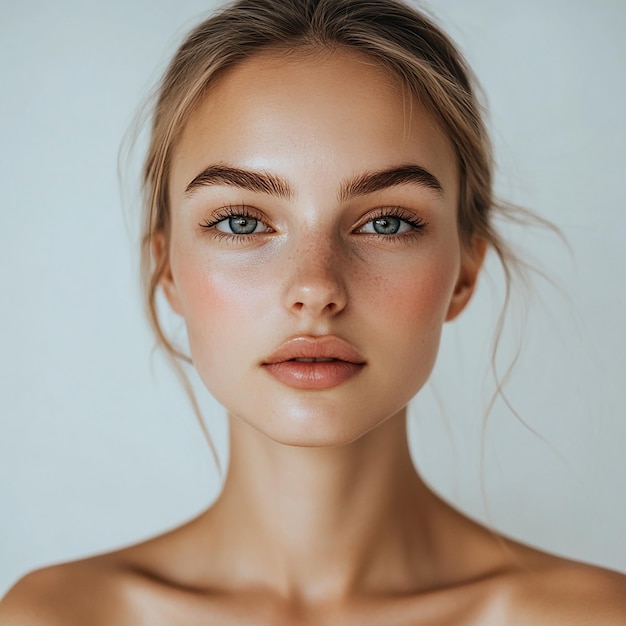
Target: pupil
{"points": [[387, 225], [242, 225]]}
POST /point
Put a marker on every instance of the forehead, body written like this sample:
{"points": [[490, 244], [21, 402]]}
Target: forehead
{"points": [[330, 114]]}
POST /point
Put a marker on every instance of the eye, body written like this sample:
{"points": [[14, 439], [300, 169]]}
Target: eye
{"points": [[386, 225], [235, 222], [241, 225], [390, 224]]}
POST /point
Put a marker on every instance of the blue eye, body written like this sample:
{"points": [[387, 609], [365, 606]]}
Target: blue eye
{"points": [[238, 225], [387, 225]]}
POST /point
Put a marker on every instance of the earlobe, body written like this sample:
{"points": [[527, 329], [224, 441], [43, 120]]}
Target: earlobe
{"points": [[163, 270], [471, 264]]}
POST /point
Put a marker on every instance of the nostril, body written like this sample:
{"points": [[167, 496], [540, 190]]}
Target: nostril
{"points": [[324, 294]]}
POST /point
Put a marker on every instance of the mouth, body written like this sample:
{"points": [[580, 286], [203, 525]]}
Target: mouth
{"points": [[314, 362]]}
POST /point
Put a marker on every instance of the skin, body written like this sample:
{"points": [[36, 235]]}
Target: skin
{"points": [[323, 518]]}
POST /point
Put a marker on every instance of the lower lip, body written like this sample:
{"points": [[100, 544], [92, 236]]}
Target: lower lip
{"points": [[317, 375]]}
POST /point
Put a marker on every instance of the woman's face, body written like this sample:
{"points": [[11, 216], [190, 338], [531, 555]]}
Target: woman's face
{"points": [[314, 215]]}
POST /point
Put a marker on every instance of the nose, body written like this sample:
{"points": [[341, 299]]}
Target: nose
{"points": [[315, 284]]}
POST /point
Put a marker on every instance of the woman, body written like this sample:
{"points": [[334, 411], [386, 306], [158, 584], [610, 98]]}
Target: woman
{"points": [[319, 203]]}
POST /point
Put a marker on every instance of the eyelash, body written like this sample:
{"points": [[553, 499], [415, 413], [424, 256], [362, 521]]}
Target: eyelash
{"points": [[417, 223], [227, 212]]}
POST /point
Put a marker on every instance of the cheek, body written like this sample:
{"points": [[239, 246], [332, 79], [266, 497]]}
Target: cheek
{"points": [[229, 302], [408, 309], [220, 305], [416, 294]]}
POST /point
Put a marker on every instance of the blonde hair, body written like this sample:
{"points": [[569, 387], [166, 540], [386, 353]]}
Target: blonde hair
{"points": [[400, 38]]}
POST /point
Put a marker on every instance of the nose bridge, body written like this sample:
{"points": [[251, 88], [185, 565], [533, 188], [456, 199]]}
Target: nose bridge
{"points": [[315, 272]]}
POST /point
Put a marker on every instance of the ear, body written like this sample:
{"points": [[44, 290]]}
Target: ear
{"points": [[160, 250], [471, 263]]}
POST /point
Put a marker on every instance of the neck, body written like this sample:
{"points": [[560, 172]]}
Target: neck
{"points": [[327, 522]]}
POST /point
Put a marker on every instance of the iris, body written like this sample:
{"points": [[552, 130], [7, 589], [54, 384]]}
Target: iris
{"points": [[242, 225], [388, 225]]}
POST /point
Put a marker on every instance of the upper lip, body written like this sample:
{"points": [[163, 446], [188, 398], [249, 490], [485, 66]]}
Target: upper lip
{"points": [[308, 347]]}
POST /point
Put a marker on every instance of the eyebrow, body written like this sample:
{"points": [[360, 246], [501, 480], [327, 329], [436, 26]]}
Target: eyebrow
{"points": [[363, 184], [376, 181], [261, 182]]}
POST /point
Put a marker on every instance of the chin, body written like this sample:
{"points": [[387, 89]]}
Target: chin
{"points": [[316, 426], [321, 439], [314, 438]]}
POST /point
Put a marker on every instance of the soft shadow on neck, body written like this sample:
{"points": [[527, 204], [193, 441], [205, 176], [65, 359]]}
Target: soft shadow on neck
{"points": [[323, 523]]}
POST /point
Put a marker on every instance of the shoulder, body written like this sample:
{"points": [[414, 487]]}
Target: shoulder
{"points": [[568, 593], [91, 591], [123, 587]]}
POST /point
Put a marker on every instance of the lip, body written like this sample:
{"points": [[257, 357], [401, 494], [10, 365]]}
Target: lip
{"points": [[345, 364]]}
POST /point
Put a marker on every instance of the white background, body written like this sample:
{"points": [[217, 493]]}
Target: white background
{"points": [[98, 445]]}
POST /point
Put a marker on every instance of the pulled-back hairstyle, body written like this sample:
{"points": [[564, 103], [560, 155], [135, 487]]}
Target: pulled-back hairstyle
{"points": [[398, 37]]}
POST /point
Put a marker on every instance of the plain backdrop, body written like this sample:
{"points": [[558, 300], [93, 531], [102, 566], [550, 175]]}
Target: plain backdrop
{"points": [[98, 445]]}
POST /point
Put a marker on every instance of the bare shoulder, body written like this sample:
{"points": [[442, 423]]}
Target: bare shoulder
{"points": [[134, 585], [569, 593], [92, 591]]}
